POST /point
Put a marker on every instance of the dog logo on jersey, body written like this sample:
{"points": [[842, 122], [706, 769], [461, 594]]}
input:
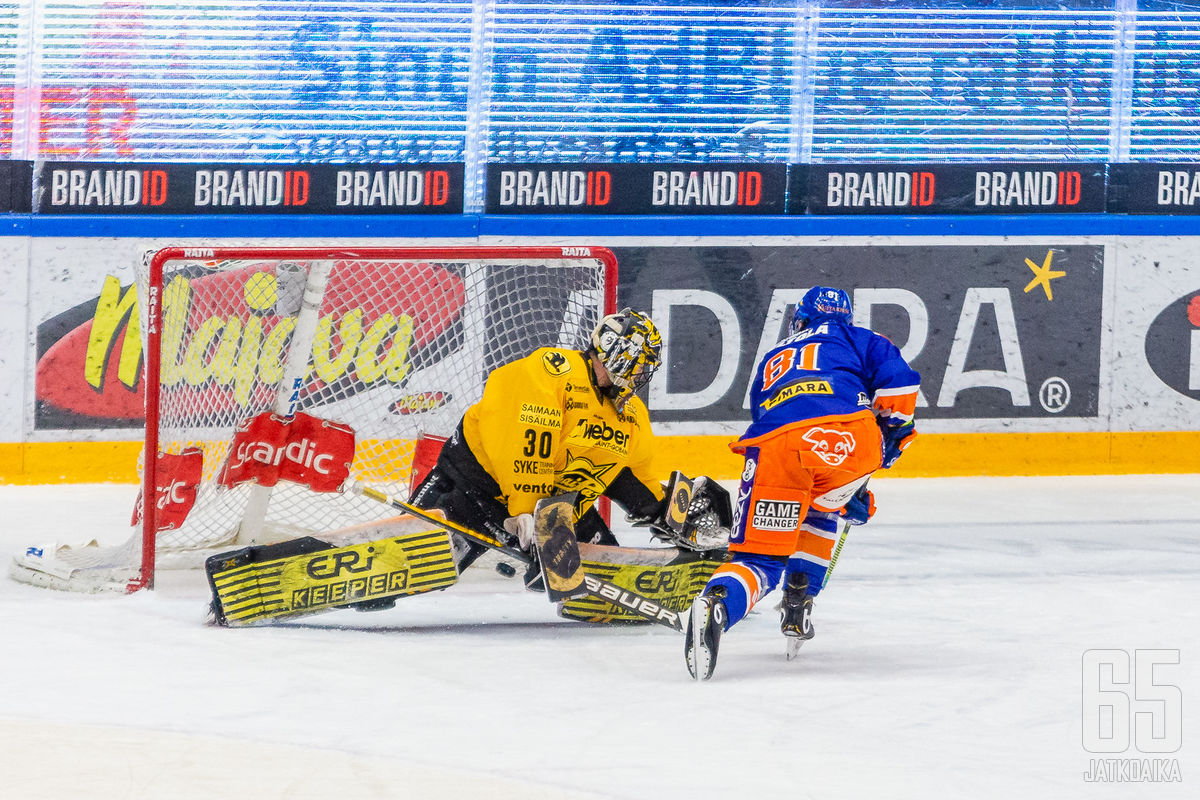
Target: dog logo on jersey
{"points": [[832, 447]]}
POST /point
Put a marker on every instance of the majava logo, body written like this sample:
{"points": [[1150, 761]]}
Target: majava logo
{"points": [[1173, 345], [224, 346]]}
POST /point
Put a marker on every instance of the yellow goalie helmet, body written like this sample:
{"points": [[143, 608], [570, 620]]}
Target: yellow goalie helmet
{"points": [[629, 346]]}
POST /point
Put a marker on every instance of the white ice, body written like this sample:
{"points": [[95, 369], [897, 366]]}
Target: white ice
{"points": [[947, 664]]}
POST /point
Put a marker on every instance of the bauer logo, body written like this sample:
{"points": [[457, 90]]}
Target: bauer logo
{"points": [[393, 188], [776, 515], [1173, 345], [106, 188], [880, 189]]}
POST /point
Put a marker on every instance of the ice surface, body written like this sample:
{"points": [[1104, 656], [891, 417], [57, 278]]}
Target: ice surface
{"points": [[947, 664]]}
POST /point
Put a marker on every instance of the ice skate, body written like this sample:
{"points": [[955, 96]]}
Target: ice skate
{"points": [[796, 613], [706, 623]]}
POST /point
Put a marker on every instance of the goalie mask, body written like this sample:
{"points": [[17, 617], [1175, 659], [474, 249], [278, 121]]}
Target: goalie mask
{"points": [[821, 302], [629, 346]]}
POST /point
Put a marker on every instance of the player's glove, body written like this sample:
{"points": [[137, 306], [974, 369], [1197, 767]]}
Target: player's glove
{"points": [[895, 439], [521, 526], [859, 508]]}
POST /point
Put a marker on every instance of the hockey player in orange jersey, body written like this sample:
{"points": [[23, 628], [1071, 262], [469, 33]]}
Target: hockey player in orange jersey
{"points": [[557, 421], [830, 404]]}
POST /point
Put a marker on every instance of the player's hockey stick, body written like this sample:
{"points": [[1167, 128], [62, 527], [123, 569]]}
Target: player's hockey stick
{"points": [[596, 586], [837, 551]]}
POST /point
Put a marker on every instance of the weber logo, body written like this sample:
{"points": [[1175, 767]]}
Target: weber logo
{"points": [[392, 188], [251, 187], [602, 432], [776, 515], [879, 189], [699, 188], [1028, 188], [106, 188], [559, 187]]}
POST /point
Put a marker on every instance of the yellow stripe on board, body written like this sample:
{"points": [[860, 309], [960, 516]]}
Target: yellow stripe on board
{"points": [[931, 455]]}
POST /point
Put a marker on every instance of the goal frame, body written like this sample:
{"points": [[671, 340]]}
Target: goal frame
{"points": [[154, 330]]}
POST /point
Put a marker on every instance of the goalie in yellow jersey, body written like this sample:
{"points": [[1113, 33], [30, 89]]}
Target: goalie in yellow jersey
{"points": [[561, 421]]}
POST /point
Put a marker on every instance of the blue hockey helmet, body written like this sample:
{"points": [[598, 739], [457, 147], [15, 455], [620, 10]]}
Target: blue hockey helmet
{"points": [[821, 302]]}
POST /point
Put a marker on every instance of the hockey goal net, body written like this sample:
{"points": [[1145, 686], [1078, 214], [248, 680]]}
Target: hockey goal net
{"points": [[391, 344]]}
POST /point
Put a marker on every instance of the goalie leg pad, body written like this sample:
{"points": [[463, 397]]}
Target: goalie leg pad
{"points": [[307, 575], [669, 577]]}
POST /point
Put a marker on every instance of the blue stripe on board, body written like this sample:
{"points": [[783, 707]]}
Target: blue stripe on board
{"points": [[472, 226]]}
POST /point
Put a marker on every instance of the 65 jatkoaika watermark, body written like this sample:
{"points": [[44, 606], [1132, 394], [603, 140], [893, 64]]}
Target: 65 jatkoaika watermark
{"points": [[1132, 715]]}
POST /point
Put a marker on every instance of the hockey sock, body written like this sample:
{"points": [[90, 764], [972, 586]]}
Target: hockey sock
{"points": [[747, 578], [818, 536], [815, 572]]}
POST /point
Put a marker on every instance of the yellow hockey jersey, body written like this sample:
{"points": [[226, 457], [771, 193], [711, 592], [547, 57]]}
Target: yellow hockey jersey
{"points": [[543, 428]]}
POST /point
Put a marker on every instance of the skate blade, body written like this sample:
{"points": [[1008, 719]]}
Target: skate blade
{"points": [[794, 643], [699, 659]]}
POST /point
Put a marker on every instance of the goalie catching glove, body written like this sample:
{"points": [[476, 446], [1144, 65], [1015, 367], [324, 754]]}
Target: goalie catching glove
{"points": [[695, 514]]}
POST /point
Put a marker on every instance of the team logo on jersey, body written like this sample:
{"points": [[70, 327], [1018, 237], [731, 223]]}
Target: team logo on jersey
{"points": [[832, 447], [556, 363], [776, 515], [583, 476]]}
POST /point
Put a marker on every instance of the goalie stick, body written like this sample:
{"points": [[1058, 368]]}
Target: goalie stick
{"points": [[563, 577]]}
